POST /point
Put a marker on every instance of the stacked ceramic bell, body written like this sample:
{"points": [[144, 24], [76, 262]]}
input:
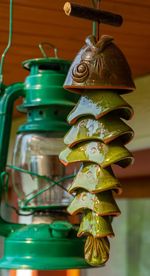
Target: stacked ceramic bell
{"points": [[97, 139]]}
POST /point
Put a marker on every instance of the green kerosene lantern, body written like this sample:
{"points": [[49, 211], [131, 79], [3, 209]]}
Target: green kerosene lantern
{"points": [[39, 179]]}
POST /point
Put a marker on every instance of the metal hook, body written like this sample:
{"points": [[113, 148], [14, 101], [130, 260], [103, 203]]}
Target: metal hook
{"points": [[51, 46], [9, 41]]}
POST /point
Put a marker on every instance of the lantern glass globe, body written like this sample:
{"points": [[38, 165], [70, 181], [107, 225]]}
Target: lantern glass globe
{"points": [[37, 169]]}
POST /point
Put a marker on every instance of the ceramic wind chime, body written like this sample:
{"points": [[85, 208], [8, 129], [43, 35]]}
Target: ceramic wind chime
{"points": [[97, 139]]}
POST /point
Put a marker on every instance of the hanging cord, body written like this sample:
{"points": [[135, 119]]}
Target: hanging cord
{"points": [[96, 25], [9, 41]]}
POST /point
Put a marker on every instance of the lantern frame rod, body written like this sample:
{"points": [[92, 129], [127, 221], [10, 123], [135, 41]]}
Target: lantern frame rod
{"points": [[9, 40], [93, 14]]}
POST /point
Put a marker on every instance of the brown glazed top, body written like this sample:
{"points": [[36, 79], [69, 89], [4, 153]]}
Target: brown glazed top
{"points": [[99, 65]]}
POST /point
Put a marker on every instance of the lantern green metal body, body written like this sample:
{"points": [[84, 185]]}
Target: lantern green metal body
{"points": [[38, 246]]}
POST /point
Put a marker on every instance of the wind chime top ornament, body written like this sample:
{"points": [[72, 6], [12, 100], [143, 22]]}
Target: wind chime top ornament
{"points": [[100, 64]]}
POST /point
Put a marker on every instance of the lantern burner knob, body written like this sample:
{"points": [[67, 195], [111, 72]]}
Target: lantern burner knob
{"points": [[60, 229]]}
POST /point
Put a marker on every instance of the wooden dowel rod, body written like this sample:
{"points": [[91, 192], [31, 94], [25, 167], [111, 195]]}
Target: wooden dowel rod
{"points": [[93, 14]]}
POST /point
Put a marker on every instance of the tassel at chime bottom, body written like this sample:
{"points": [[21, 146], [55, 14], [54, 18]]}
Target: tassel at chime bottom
{"points": [[97, 139]]}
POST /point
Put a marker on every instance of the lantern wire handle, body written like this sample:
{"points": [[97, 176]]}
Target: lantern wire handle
{"points": [[9, 41], [95, 31], [41, 47], [48, 179]]}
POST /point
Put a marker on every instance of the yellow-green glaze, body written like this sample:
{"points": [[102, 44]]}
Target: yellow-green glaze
{"points": [[99, 103], [97, 152], [95, 179], [102, 203], [95, 225], [105, 129]]}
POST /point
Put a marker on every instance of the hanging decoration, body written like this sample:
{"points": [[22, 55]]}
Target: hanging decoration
{"points": [[98, 136]]}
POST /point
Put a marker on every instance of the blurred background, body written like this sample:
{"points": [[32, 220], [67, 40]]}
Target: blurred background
{"points": [[36, 21]]}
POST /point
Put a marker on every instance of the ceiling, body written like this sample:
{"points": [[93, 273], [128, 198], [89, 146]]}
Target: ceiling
{"points": [[35, 21]]}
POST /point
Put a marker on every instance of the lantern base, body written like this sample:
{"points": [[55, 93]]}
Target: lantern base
{"points": [[33, 247]]}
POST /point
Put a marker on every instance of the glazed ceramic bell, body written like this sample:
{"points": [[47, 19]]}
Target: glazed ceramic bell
{"points": [[95, 179], [101, 203], [99, 153], [99, 65], [99, 103], [96, 225], [105, 129]]}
